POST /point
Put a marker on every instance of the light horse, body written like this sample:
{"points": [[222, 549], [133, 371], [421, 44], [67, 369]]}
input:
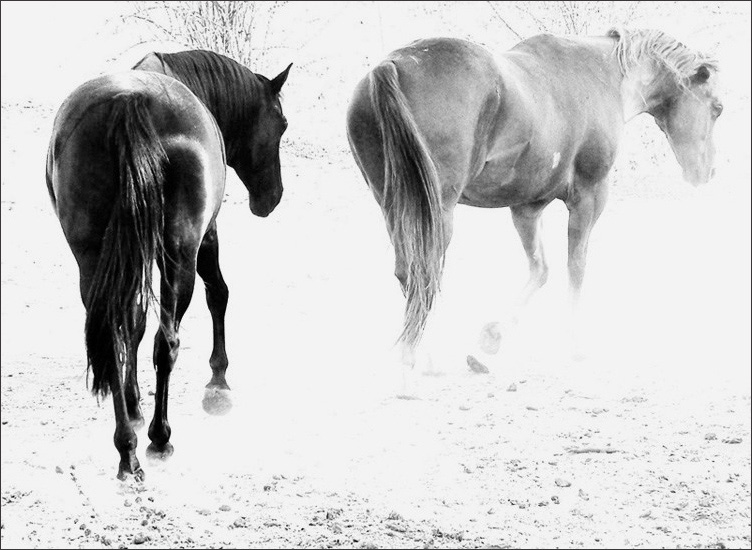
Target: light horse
{"points": [[441, 122], [136, 174]]}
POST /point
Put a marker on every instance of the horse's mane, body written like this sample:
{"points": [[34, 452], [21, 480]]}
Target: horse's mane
{"points": [[634, 47], [229, 90]]}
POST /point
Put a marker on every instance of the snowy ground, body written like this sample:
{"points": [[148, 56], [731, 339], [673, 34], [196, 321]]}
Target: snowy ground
{"points": [[317, 452]]}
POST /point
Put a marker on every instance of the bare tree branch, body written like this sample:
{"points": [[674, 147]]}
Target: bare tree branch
{"points": [[500, 18]]}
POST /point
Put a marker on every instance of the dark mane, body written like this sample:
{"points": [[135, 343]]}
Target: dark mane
{"points": [[230, 90]]}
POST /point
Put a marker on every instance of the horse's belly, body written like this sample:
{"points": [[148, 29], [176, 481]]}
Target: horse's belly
{"points": [[508, 182]]}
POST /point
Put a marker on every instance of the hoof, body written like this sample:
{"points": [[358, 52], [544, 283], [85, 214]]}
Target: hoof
{"points": [[490, 338], [160, 452], [216, 401], [476, 366], [124, 471]]}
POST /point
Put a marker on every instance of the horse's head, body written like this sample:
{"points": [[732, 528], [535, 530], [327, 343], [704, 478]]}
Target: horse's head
{"points": [[687, 117], [256, 161]]}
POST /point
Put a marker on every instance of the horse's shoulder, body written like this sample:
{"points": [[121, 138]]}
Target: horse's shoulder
{"points": [[596, 153]]}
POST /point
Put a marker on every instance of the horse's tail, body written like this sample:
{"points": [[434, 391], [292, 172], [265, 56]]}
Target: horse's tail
{"points": [[121, 288], [411, 200]]}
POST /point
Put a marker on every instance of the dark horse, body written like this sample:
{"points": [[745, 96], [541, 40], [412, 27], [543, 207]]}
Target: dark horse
{"points": [[136, 174], [441, 122]]}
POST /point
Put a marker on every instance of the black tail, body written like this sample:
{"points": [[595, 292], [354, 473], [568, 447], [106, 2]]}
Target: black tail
{"points": [[412, 202], [121, 288]]}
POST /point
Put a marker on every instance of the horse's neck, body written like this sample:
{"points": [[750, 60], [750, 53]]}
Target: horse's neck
{"points": [[640, 90]]}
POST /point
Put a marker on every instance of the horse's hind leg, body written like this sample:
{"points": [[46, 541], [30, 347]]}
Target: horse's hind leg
{"points": [[178, 276], [125, 436], [101, 348], [216, 399], [527, 221], [132, 393], [408, 350]]}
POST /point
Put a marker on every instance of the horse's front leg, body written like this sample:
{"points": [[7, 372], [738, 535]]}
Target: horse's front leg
{"points": [[216, 397], [585, 204], [178, 276], [527, 221]]}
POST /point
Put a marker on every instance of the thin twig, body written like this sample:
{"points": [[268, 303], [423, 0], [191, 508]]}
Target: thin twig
{"points": [[607, 450], [500, 18]]}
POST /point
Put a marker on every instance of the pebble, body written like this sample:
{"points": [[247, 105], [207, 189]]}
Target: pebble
{"points": [[562, 482], [204, 512], [140, 538], [476, 366], [711, 436], [58, 469], [399, 527], [465, 407], [224, 508], [733, 440], [127, 503], [555, 499], [583, 495], [512, 387], [240, 522]]}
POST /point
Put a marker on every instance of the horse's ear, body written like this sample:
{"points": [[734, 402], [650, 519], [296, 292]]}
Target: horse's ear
{"points": [[702, 74], [279, 80]]}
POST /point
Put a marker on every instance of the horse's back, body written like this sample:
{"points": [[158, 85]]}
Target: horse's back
{"points": [[83, 165], [559, 119], [503, 129], [451, 87], [173, 108]]}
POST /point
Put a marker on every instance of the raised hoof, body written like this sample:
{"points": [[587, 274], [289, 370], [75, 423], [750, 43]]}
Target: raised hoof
{"points": [[476, 366], [490, 338], [160, 452], [216, 401]]}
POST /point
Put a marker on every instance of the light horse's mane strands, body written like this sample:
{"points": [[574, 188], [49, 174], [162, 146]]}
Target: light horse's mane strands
{"points": [[635, 47]]}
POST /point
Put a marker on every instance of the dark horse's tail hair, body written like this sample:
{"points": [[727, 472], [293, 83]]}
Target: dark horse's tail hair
{"points": [[411, 201], [121, 288]]}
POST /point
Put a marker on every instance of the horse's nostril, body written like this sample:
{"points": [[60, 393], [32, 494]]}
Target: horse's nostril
{"points": [[712, 173]]}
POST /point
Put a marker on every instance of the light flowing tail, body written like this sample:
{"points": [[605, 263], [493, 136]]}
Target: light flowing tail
{"points": [[411, 200]]}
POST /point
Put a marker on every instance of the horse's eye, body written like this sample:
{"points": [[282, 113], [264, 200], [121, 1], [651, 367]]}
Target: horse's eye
{"points": [[717, 110]]}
